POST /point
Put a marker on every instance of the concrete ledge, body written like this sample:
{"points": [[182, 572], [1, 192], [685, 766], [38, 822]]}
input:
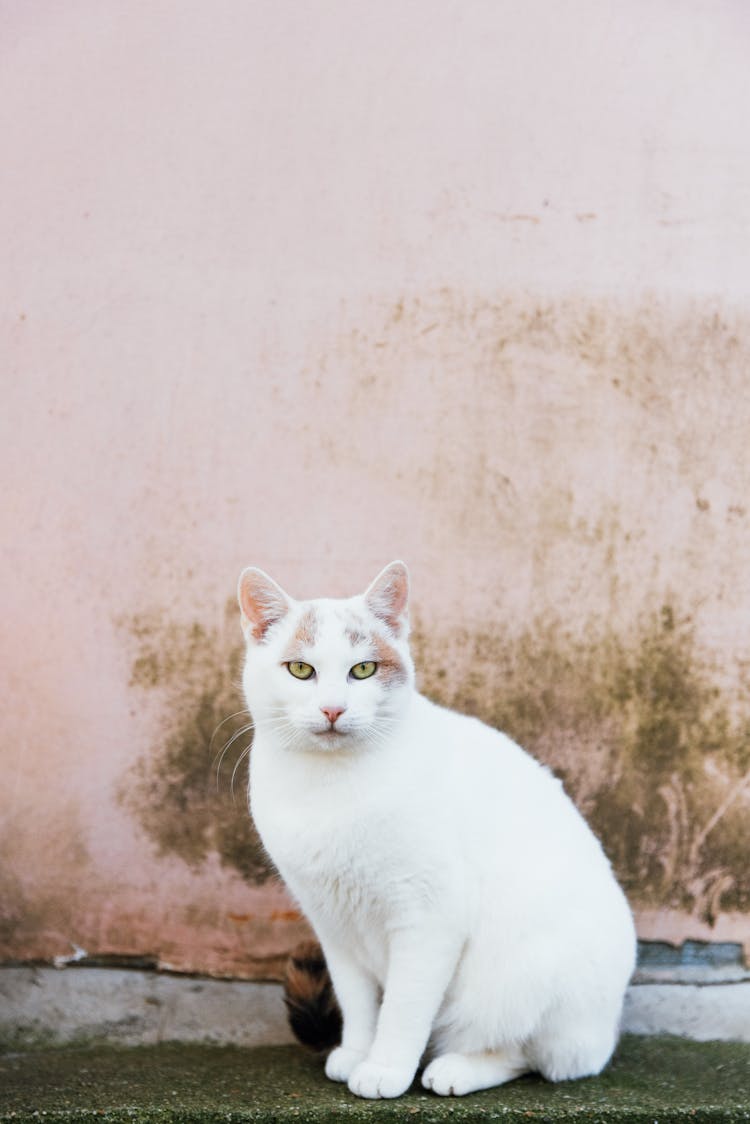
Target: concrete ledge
{"points": [[704, 1012], [51, 1006], [126, 1007], [650, 1081]]}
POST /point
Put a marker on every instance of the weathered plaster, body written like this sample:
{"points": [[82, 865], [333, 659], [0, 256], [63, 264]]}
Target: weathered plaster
{"points": [[472, 295]]}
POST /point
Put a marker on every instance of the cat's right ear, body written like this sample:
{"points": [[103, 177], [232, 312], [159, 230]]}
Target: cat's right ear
{"points": [[262, 603]]}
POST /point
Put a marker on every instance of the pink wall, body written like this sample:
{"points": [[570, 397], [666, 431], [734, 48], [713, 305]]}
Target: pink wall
{"points": [[314, 286]]}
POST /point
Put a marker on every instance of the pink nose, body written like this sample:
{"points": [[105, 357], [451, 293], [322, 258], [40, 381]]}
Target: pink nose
{"points": [[332, 712]]}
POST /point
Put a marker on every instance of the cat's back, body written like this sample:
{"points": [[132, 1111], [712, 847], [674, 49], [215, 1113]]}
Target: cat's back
{"points": [[483, 759], [504, 800]]}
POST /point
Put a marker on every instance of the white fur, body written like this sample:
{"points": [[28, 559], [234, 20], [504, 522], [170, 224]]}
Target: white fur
{"points": [[461, 901]]}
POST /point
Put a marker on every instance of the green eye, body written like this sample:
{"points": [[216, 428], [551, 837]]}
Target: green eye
{"points": [[300, 670], [363, 670]]}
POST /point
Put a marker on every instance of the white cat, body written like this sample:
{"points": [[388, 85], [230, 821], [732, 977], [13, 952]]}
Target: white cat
{"points": [[462, 903]]}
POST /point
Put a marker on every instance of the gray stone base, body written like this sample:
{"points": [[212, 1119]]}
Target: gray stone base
{"points": [[50, 1005], [704, 1012], [128, 1007]]}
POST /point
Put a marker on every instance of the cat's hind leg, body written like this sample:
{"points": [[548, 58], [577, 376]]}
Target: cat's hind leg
{"points": [[570, 1047], [454, 1075]]}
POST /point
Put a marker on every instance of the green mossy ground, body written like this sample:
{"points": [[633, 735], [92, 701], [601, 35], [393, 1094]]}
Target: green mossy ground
{"points": [[650, 1081]]}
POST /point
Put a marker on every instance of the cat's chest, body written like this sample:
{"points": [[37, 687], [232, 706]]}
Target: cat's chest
{"points": [[335, 844], [327, 843]]}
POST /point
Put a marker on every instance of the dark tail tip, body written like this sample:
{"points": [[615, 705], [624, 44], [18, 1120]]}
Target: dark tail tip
{"points": [[313, 1012]]}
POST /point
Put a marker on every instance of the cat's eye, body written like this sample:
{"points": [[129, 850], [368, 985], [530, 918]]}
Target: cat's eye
{"points": [[363, 670], [300, 670]]}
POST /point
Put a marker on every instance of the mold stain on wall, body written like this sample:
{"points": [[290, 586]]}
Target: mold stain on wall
{"points": [[573, 451], [568, 445], [652, 749], [189, 792]]}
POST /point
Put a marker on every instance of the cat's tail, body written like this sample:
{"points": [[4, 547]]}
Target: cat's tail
{"points": [[311, 1006]]}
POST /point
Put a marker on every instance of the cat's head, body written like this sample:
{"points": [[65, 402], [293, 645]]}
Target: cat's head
{"points": [[327, 674]]}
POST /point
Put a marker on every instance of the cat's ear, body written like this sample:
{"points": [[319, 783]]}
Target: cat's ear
{"points": [[388, 596], [262, 603]]}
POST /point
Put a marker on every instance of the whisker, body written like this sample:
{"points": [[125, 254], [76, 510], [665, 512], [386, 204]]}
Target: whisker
{"points": [[224, 721], [268, 721], [288, 735], [274, 722], [375, 736], [238, 734], [240, 759]]}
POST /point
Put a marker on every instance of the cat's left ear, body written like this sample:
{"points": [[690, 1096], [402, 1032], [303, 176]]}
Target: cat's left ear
{"points": [[388, 596], [262, 603]]}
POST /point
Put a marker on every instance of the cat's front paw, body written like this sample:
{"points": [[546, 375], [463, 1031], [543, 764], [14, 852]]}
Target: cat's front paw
{"points": [[341, 1062], [373, 1081]]}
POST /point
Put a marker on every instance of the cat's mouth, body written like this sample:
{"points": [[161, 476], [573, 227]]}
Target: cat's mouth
{"points": [[331, 733]]}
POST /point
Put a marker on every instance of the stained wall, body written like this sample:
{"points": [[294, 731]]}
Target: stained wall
{"points": [[315, 286]]}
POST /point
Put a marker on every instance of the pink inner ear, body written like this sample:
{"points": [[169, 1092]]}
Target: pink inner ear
{"points": [[262, 601], [388, 595]]}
